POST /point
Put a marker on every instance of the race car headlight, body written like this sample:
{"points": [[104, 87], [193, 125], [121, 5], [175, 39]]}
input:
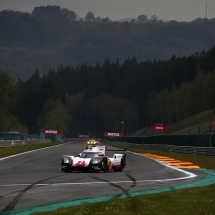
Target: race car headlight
{"points": [[96, 160], [66, 160]]}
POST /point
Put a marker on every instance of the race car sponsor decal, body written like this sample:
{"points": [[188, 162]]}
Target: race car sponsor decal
{"points": [[172, 162], [80, 163]]}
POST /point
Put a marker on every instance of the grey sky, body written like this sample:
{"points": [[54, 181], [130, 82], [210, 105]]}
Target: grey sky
{"points": [[179, 10]]}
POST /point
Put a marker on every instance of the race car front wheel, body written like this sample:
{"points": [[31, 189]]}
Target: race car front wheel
{"points": [[104, 166]]}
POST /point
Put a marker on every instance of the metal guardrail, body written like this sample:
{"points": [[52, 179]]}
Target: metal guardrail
{"points": [[205, 151], [9, 143]]}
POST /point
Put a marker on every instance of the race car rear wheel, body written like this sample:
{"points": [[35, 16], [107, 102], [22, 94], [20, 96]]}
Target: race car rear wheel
{"points": [[122, 165]]}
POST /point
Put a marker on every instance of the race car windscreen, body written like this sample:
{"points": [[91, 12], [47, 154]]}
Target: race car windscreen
{"points": [[88, 155]]}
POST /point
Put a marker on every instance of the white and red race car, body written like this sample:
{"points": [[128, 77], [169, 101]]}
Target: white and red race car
{"points": [[94, 159]]}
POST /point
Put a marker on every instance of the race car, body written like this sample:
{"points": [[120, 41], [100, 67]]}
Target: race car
{"points": [[94, 159], [91, 143]]}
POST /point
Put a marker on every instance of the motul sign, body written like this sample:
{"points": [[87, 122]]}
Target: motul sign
{"points": [[44, 131], [159, 127], [111, 134]]}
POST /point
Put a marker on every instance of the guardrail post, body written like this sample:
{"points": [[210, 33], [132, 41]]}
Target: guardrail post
{"points": [[210, 136]]}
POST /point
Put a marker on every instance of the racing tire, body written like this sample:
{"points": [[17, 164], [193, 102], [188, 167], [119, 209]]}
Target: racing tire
{"points": [[122, 165], [104, 166]]}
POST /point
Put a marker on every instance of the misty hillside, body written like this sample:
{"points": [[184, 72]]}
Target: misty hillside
{"points": [[51, 37]]}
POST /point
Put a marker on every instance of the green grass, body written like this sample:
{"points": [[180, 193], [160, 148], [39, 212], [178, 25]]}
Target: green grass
{"points": [[8, 151], [191, 201], [196, 201], [191, 124]]}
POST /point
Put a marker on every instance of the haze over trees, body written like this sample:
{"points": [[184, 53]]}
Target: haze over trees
{"points": [[51, 36]]}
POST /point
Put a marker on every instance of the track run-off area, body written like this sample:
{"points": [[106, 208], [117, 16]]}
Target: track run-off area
{"points": [[33, 182]]}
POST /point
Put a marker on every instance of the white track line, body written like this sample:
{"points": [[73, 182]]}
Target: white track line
{"points": [[189, 175], [1, 159]]}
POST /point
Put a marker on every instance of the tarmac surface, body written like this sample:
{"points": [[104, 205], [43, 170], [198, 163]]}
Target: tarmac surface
{"points": [[34, 179]]}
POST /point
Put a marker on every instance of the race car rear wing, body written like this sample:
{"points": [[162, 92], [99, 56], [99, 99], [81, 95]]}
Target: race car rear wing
{"points": [[115, 150], [103, 149]]}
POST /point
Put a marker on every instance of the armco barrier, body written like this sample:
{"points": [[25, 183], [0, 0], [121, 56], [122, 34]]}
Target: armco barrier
{"points": [[206, 151], [8, 143], [197, 140]]}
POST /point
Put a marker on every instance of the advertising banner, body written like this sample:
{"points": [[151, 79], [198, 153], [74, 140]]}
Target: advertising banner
{"points": [[76, 138], [83, 136], [112, 134], [44, 131], [159, 127]]}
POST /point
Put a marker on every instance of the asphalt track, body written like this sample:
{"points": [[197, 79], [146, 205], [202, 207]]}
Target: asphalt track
{"points": [[34, 179]]}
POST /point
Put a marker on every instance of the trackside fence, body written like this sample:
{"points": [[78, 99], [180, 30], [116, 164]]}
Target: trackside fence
{"points": [[203, 144], [8, 143], [198, 140], [206, 151]]}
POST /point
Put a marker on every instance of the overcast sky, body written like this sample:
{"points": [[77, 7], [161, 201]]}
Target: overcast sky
{"points": [[179, 10]]}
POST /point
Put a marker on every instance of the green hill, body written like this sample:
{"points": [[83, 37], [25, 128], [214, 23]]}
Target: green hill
{"points": [[200, 123]]}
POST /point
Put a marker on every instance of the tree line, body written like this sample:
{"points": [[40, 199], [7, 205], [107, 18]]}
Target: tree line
{"points": [[51, 36], [92, 99], [175, 104]]}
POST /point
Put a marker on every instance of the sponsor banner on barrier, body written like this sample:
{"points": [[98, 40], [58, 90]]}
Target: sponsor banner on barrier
{"points": [[159, 127], [112, 134], [76, 138], [83, 136], [44, 131]]}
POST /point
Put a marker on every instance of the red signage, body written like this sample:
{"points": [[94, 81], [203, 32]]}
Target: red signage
{"points": [[159, 127], [214, 121], [44, 131], [112, 134]]}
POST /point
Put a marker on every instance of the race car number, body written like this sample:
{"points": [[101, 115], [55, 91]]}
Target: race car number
{"points": [[80, 163]]}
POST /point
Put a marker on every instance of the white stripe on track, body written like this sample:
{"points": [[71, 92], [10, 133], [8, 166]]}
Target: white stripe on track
{"points": [[189, 175]]}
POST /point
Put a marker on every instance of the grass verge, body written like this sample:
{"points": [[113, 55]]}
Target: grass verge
{"points": [[8, 151], [196, 201]]}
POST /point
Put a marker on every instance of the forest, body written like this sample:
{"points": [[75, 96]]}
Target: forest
{"points": [[51, 36], [96, 73], [93, 99]]}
